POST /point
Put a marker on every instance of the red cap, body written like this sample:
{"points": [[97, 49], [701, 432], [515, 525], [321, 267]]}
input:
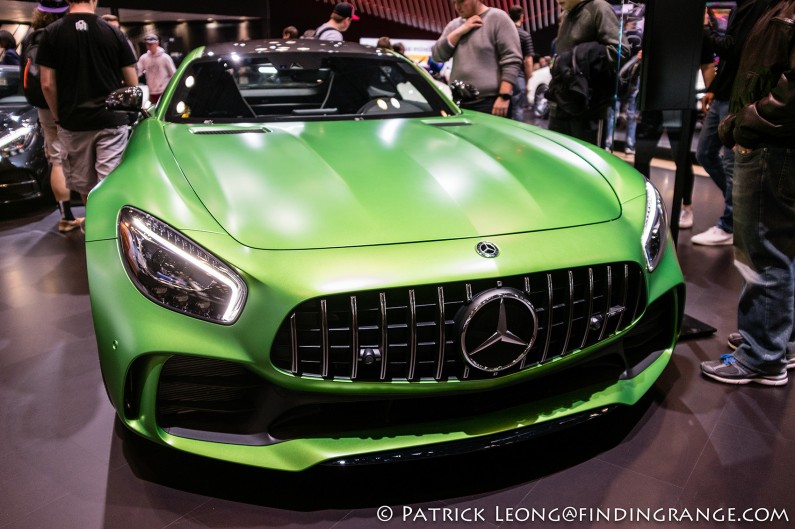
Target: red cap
{"points": [[345, 10]]}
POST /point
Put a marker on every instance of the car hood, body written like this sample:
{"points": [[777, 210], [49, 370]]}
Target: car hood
{"points": [[356, 183]]}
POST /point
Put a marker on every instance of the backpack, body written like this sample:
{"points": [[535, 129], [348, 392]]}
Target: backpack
{"points": [[31, 74], [583, 80]]}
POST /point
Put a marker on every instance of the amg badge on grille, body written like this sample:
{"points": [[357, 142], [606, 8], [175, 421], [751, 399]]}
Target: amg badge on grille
{"points": [[498, 328]]}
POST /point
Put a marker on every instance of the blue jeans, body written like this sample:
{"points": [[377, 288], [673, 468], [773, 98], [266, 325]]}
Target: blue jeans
{"points": [[610, 124], [719, 167], [764, 224], [632, 116], [632, 119]]}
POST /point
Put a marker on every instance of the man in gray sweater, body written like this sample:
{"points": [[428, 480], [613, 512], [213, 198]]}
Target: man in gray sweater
{"points": [[484, 46]]}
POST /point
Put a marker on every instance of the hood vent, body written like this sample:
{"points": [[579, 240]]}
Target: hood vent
{"points": [[442, 124], [216, 130]]}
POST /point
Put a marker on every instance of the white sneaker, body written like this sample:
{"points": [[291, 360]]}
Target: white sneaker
{"points": [[685, 218], [713, 237]]}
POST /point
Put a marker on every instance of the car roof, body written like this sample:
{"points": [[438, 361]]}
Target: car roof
{"points": [[307, 46]]}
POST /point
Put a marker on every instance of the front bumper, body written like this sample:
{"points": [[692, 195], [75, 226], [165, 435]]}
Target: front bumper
{"points": [[300, 422]]}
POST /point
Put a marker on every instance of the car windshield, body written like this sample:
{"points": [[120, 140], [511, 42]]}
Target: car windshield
{"points": [[302, 86]]}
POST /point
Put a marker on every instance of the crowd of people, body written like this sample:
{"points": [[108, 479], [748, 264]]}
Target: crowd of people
{"points": [[71, 60], [750, 116], [747, 144]]}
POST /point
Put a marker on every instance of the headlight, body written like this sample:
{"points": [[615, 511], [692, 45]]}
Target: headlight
{"points": [[15, 141], [655, 230], [177, 273]]}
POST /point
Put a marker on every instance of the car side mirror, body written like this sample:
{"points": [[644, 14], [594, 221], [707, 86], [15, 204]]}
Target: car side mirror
{"points": [[463, 92], [127, 99]]}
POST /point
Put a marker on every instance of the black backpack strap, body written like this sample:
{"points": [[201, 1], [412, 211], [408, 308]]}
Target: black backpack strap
{"points": [[327, 28]]}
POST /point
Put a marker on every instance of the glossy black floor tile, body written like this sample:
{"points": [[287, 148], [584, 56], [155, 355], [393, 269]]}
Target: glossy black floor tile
{"points": [[608, 487], [65, 462], [747, 471]]}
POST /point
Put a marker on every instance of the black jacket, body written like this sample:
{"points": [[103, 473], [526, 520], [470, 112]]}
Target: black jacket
{"points": [[583, 80], [729, 46], [762, 109]]}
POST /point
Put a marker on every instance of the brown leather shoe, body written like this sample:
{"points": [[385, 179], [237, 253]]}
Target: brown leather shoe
{"points": [[69, 225]]}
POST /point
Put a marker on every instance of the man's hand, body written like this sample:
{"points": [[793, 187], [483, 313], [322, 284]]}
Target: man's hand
{"points": [[706, 101], [742, 150], [469, 24], [472, 22], [501, 107]]}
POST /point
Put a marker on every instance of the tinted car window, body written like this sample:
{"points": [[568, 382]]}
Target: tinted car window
{"points": [[11, 95], [290, 88]]}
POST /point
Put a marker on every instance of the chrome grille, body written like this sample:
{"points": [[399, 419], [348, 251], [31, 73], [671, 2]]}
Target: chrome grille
{"points": [[409, 334]]}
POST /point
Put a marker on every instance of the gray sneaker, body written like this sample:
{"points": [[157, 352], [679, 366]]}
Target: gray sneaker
{"points": [[736, 339], [729, 371]]}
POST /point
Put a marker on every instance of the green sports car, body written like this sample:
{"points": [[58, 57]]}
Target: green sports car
{"points": [[310, 255]]}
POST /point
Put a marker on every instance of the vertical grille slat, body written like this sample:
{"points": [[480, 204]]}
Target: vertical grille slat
{"points": [[590, 309], [550, 315], [325, 337], [468, 289], [293, 345], [354, 338], [407, 334], [570, 312], [412, 334], [384, 329], [442, 323], [608, 301], [624, 294], [528, 292]]}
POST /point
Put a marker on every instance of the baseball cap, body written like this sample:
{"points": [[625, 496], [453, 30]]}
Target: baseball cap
{"points": [[151, 38], [53, 6], [345, 10]]}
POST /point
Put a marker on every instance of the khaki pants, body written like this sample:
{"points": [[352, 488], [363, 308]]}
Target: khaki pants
{"points": [[89, 156]]}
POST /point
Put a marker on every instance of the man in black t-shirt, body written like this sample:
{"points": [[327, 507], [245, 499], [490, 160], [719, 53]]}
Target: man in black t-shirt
{"points": [[83, 59]]}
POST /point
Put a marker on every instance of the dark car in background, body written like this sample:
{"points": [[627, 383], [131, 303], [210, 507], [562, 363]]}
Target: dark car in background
{"points": [[24, 171]]}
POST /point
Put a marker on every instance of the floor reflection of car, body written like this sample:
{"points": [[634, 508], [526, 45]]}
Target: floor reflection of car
{"points": [[24, 172]]}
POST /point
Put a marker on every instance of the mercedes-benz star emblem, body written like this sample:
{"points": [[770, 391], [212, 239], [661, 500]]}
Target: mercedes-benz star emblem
{"points": [[487, 249], [498, 329]]}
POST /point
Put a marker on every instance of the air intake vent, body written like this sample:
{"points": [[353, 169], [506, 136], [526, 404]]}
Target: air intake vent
{"points": [[207, 394]]}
